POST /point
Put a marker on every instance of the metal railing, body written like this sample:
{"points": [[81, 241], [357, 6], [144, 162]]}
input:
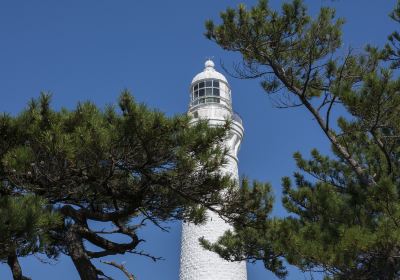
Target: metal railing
{"points": [[236, 117]]}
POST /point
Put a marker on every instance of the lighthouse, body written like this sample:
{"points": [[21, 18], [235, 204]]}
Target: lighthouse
{"points": [[210, 99]]}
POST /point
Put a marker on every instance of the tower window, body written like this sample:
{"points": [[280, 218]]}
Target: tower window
{"points": [[203, 89]]}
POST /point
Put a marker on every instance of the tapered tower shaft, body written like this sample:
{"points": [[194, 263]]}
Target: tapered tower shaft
{"points": [[210, 97]]}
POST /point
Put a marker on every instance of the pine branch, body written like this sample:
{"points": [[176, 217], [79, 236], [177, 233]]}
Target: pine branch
{"points": [[120, 267]]}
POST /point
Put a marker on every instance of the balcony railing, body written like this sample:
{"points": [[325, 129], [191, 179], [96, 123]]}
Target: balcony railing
{"points": [[236, 117]]}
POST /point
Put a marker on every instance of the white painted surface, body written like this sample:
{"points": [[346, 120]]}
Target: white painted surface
{"points": [[197, 263], [209, 73]]}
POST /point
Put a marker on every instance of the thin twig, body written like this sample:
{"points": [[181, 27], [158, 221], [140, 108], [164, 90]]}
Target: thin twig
{"points": [[120, 267]]}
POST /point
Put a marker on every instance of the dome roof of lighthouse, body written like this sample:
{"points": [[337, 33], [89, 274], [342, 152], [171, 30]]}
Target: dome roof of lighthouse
{"points": [[209, 72]]}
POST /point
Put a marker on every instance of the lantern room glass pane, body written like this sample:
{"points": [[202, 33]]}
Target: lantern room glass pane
{"points": [[201, 92], [206, 91]]}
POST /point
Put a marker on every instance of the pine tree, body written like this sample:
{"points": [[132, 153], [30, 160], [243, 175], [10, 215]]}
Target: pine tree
{"points": [[120, 167], [25, 226], [345, 208], [26, 222]]}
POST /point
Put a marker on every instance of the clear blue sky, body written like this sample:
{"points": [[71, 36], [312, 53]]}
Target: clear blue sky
{"points": [[92, 49]]}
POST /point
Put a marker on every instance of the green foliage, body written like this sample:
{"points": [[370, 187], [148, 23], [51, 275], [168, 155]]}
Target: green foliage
{"points": [[25, 226], [392, 51], [94, 156], [122, 166], [344, 209], [250, 212], [280, 40]]}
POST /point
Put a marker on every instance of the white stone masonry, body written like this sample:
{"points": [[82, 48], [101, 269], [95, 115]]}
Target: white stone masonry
{"points": [[197, 263]]}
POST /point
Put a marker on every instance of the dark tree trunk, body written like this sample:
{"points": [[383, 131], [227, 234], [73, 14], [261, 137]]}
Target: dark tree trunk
{"points": [[86, 270], [13, 263]]}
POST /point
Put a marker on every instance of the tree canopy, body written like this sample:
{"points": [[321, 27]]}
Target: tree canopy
{"points": [[26, 224], [344, 208], [121, 168]]}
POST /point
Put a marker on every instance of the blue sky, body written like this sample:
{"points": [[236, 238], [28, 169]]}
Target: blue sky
{"points": [[93, 49]]}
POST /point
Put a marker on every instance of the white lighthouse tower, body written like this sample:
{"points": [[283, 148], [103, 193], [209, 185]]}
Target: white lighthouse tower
{"points": [[210, 98]]}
